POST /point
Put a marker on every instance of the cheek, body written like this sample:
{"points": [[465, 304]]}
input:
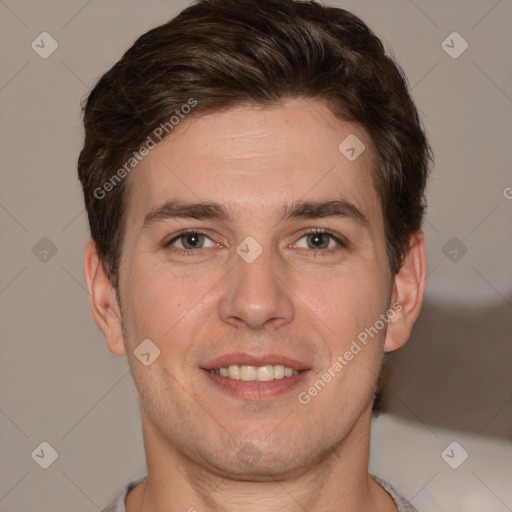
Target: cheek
{"points": [[160, 303], [346, 300]]}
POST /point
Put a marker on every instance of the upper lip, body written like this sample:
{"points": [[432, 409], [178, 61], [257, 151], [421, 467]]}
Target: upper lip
{"points": [[254, 360]]}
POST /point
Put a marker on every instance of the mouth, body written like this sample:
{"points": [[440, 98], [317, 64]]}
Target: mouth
{"points": [[255, 377], [248, 373]]}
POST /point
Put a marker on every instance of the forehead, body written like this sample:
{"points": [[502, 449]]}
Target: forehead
{"points": [[254, 159]]}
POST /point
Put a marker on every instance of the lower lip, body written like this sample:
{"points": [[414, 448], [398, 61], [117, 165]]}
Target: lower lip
{"points": [[256, 390]]}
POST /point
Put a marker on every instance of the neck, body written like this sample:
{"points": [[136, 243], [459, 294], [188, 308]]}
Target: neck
{"points": [[337, 482]]}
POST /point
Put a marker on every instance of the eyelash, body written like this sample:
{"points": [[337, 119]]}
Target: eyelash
{"points": [[342, 242]]}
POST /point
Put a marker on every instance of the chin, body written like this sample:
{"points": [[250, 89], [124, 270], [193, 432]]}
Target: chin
{"points": [[261, 461]]}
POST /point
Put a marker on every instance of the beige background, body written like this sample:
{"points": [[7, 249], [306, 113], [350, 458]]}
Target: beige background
{"points": [[59, 384]]}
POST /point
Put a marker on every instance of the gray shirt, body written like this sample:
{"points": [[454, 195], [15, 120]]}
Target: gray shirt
{"points": [[118, 505]]}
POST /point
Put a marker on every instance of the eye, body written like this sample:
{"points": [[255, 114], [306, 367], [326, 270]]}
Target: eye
{"points": [[189, 241], [318, 241], [322, 240]]}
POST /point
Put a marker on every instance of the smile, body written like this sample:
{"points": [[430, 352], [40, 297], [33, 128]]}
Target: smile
{"points": [[263, 373]]}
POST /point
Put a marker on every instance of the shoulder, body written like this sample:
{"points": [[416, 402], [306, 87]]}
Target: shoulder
{"points": [[118, 505], [402, 504]]}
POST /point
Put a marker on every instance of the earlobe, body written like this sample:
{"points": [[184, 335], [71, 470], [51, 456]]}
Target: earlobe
{"points": [[408, 292], [105, 307]]}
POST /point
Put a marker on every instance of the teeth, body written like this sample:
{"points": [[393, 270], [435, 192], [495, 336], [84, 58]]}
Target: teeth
{"points": [[265, 373], [234, 372], [248, 372], [260, 373], [278, 371]]}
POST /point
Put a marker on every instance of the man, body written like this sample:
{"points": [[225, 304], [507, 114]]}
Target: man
{"points": [[254, 176]]}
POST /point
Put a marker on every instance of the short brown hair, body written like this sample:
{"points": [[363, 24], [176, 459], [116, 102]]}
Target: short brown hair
{"points": [[222, 53]]}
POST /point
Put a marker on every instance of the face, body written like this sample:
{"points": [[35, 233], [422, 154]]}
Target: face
{"points": [[283, 267]]}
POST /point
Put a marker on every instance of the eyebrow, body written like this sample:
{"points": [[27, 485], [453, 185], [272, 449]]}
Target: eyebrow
{"points": [[208, 210]]}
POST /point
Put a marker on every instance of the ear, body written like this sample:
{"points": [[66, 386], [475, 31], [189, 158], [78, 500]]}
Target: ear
{"points": [[407, 294], [105, 308]]}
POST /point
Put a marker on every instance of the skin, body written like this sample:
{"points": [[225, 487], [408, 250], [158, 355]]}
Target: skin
{"points": [[205, 448]]}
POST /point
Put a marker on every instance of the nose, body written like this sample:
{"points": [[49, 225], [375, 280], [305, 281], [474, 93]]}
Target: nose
{"points": [[256, 295]]}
